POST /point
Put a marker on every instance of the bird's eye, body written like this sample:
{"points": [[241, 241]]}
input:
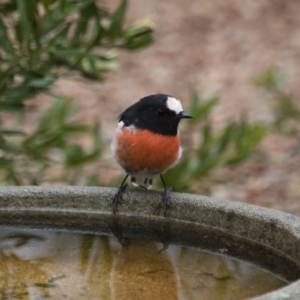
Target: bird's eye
{"points": [[160, 112]]}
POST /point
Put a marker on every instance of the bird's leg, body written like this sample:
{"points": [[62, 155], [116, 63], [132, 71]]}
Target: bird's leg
{"points": [[165, 199], [118, 197]]}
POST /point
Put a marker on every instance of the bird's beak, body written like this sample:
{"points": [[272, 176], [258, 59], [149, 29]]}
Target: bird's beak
{"points": [[183, 115]]}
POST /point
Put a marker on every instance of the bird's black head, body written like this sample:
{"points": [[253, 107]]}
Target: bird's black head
{"points": [[158, 113]]}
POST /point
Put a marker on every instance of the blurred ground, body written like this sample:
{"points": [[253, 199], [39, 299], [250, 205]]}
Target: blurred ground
{"points": [[217, 47]]}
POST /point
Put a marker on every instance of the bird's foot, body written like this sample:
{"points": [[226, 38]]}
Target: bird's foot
{"points": [[165, 200], [118, 197]]}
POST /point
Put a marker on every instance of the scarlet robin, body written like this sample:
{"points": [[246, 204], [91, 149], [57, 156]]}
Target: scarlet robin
{"points": [[146, 142]]}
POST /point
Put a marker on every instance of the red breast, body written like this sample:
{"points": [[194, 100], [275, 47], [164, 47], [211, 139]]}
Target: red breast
{"points": [[138, 150]]}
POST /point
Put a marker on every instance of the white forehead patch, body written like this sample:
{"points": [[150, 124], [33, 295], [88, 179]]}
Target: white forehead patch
{"points": [[174, 104]]}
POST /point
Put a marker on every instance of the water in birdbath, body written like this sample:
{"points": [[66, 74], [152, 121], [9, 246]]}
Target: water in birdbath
{"points": [[49, 264]]}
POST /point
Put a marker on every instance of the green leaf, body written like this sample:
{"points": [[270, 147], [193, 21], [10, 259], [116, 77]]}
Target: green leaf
{"points": [[271, 79], [139, 35], [247, 137], [24, 18], [12, 132], [10, 105], [138, 43], [7, 8], [47, 4], [76, 156], [178, 176], [205, 144], [4, 162], [117, 19], [18, 94], [205, 166], [5, 42], [223, 141], [44, 82], [200, 109], [9, 149]]}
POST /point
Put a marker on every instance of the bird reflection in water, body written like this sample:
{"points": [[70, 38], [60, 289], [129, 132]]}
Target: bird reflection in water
{"points": [[41, 264]]}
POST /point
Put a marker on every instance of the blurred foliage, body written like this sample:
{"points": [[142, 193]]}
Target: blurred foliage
{"points": [[41, 40], [54, 143], [229, 146], [286, 110], [283, 105]]}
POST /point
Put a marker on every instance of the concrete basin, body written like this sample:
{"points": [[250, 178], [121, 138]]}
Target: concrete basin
{"points": [[267, 238]]}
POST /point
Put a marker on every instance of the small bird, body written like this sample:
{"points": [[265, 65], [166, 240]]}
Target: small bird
{"points": [[146, 142]]}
